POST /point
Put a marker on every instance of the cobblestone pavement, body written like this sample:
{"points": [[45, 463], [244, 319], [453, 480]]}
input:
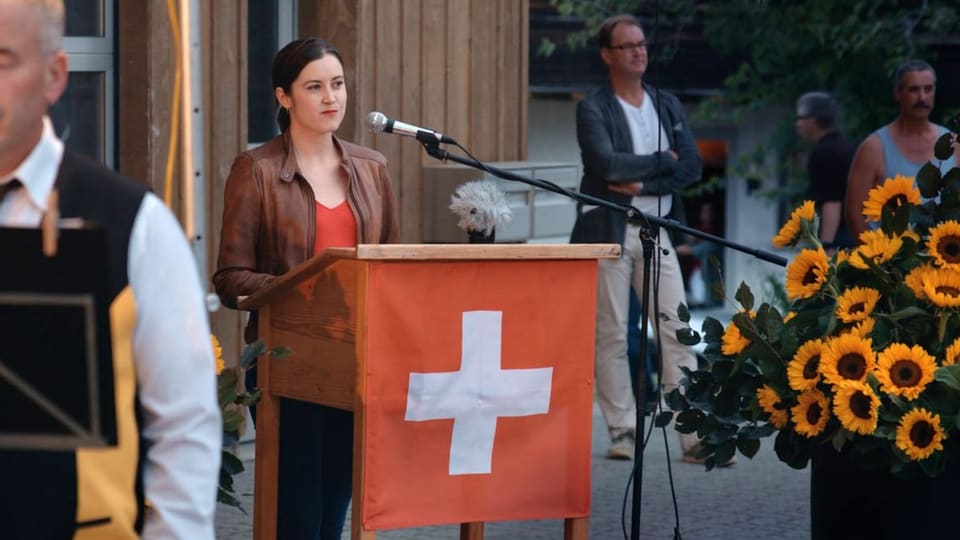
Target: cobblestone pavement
{"points": [[759, 499]]}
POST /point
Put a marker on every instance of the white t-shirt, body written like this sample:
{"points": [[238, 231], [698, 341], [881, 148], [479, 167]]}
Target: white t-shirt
{"points": [[644, 125]]}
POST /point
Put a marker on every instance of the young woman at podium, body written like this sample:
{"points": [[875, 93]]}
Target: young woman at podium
{"points": [[285, 201]]}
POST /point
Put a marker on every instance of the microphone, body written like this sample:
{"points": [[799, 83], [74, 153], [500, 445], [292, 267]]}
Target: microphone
{"points": [[377, 122]]}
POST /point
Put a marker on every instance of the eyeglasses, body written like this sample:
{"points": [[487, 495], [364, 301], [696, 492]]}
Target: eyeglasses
{"points": [[630, 47]]}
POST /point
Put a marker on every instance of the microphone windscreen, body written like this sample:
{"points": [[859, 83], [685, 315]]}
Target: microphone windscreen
{"points": [[376, 121]]}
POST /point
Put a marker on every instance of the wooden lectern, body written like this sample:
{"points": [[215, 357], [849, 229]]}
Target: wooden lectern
{"points": [[350, 314]]}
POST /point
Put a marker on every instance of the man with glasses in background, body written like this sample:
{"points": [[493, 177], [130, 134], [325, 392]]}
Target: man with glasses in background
{"points": [[637, 149]]}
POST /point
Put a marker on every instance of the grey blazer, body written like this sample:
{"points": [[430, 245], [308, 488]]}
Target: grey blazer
{"points": [[606, 148]]}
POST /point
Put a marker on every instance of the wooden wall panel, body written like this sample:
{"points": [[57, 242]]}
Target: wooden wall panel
{"points": [[224, 101], [459, 66], [146, 55], [508, 87], [407, 171], [459, 88], [337, 22], [483, 73], [386, 79], [434, 65]]}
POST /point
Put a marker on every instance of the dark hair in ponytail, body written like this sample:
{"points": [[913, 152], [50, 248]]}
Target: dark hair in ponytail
{"points": [[290, 61]]}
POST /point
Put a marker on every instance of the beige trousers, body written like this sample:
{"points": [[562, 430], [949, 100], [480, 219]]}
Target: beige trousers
{"points": [[614, 392]]}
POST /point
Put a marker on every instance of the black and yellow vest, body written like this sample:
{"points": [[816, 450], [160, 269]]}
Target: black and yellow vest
{"points": [[90, 493]]}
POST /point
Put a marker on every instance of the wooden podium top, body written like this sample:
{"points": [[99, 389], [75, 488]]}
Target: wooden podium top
{"points": [[419, 252], [433, 252]]}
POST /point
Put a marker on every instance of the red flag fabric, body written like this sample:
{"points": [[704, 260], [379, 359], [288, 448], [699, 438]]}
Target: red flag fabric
{"points": [[479, 388]]}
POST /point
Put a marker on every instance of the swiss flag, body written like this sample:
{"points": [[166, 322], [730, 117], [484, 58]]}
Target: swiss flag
{"points": [[479, 390]]}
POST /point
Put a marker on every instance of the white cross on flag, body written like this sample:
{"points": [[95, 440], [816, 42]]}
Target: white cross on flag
{"points": [[479, 385]]}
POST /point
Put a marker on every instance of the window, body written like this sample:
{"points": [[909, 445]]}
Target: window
{"points": [[271, 24], [84, 115]]}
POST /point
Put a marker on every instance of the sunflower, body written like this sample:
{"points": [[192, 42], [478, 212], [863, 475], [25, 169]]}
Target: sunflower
{"points": [[892, 194], [733, 341], [914, 279], [953, 352], [919, 434], [788, 316], [944, 244], [911, 234], [811, 413], [217, 352], [791, 229], [846, 358], [875, 246], [842, 256], [905, 371], [806, 274], [802, 371], [772, 404], [857, 408], [942, 287], [863, 328], [856, 304]]}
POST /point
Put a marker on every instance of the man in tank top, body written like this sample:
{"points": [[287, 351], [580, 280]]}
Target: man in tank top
{"points": [[902, 146]]}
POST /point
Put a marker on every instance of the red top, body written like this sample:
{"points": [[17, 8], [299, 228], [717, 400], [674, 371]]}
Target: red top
{"points": [[336, 227]]}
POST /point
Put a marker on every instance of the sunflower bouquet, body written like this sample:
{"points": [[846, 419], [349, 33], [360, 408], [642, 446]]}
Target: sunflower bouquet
{"points": [[863, 359]]}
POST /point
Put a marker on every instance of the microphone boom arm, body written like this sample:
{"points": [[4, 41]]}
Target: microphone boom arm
{"points": [[433, 149]]}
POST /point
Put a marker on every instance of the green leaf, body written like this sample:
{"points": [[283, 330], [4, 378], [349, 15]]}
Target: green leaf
{"points": [[663, 419], [251, 397], [717, 289], [949, 375], [280, 352], [227, 498], [901, 219], [227, 377], [250, 353], [676, 400], [712, 330], [791, 449], [230, 463], [745, 296], [227, 395], [232, 420], [911, 311], [886, 432], [770, 364], [683, 313], [952, 178], [933, 465], [757, 432], [748, 447], [726, 451], [689, 421], [928, 180], [721, 434], [686, 336], [943, 149], [840, 438]]}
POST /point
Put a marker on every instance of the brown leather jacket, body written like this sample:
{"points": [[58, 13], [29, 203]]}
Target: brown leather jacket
{"points": [[270, 221]]}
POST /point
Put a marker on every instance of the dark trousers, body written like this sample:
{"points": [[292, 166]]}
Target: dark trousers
{"points": [[316, 470]]}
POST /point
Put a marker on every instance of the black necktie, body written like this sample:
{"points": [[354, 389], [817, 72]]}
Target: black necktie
{"points": [[9, 187]]}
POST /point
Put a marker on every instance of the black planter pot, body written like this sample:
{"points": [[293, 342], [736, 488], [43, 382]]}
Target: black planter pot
{"points": [[478, 237], [848, 502]]}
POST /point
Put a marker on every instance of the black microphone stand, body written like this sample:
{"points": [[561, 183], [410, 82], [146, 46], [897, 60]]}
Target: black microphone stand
{"points": [[648, 240]]}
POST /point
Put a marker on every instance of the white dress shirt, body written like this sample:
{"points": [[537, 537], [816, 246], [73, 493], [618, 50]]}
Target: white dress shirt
{"points": [[176, 378]]}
